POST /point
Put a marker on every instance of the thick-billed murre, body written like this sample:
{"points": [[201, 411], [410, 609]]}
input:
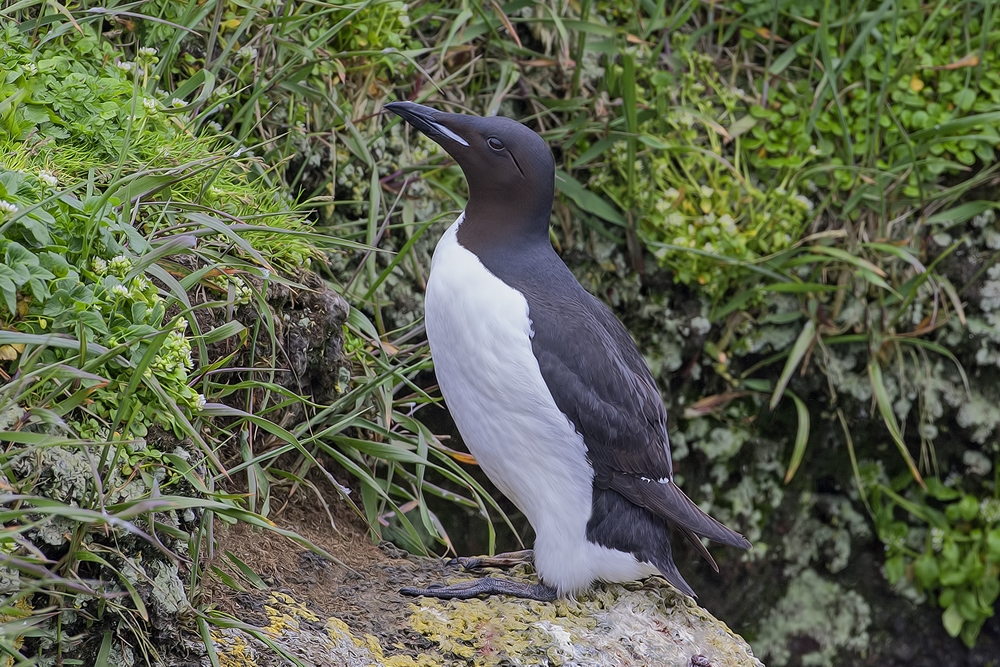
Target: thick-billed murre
{"points": [[547, 388]]}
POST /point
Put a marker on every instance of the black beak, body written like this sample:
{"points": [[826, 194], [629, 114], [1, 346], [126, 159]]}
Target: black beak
{"points": [[431, 122]]}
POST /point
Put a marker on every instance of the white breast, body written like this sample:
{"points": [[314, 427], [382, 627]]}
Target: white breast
{"points": [[479, 332]]}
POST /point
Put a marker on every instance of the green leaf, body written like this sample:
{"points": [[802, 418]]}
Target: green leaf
{"points": [[960, 214], [847, 257], [993, 545], [895, 568], [952, 621], [93, 319], [247, 572], [801, 437], [733, 304], [223, 332], [102, 659], [968, 605], [900, 252], [785, 59], [968, 507], [587, 200], [742, 126], [889, 417], [971, 630], [940, 491], [596, 149], [965, 98], [926, 570], [798, 352]]}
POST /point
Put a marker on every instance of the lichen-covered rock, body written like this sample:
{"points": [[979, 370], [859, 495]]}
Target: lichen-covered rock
{"points": [[613, 626], [821, 615]]}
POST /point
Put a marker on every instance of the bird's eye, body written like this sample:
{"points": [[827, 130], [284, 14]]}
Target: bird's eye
{"points": [[495, 143]]}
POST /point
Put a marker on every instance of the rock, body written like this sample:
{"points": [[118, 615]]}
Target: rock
{"points": [[362, 621]]}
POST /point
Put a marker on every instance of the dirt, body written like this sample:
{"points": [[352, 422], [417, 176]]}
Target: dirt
{"points": [[362, 592]]}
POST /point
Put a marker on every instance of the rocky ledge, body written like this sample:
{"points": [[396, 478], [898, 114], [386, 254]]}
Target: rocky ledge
{"points": [[321, 613]]}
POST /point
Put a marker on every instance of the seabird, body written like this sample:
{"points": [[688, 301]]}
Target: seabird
{"points": [[547, 388]]}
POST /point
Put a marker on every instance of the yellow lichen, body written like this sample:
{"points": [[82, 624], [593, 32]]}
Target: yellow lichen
{"points": [[24, 606], [490, 631], [284, 613], [233, 649]]}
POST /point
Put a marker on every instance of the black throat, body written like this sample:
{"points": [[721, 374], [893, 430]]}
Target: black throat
{"points": [[505, 221]]}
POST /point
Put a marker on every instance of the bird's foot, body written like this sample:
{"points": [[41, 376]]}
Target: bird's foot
{"points": [[485, 586], [503, 561]]}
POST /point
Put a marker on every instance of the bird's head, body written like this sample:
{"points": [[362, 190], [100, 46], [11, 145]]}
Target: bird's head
{"points": [[506, 164]]}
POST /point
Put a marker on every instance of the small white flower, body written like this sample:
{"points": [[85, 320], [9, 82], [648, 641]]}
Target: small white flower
{"points": [[147, 52], [99, 266], [181, 324], [177, 103], [149, 103], [214, 127], [709, 247], [120, 265], [200, 402], [119, 290], [989, 509], [125, 66], [247, 53], [221, 91], [140, 284], [48, 178], [7, 208], [805, 201], [30, 68], [937, 539]]}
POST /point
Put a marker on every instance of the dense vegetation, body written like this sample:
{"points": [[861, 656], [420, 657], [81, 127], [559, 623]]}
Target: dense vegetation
{"points": [[791, 205]]}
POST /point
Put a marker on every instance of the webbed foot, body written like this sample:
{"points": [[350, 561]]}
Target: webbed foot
{"points": [[485, 586]]}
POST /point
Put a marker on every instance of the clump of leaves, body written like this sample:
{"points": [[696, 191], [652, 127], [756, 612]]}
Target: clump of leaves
{"points": [[903, 92], [958, 565], [676, 168], [85, 110]]}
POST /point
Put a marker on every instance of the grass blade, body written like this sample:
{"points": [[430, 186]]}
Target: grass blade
{"points": [[801, 437], [802, 344], [881, 395]]}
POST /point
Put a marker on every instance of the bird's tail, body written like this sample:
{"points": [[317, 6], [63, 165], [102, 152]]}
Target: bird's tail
{"points": [[673, 575], [665, 499]]}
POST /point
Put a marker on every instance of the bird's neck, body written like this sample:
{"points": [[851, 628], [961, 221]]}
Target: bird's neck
{"points": [[515, 222]]}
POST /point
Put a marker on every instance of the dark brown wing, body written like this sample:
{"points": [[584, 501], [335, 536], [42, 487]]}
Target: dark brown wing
{"points": [[600, 381]]}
